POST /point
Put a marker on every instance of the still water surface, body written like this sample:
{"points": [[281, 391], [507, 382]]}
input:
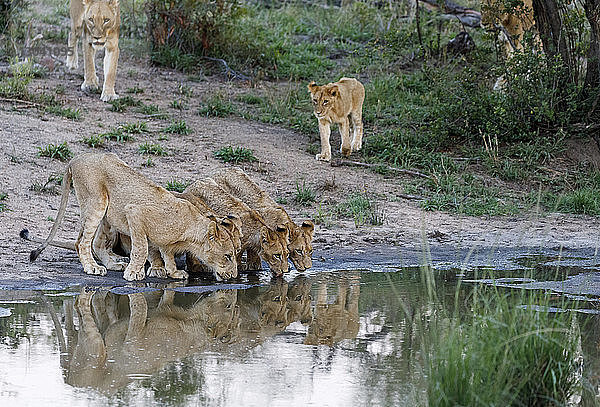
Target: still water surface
{"points": [[327, 339]]}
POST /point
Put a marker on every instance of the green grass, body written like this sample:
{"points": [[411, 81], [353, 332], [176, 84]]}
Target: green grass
{"points": [[135, 90], [153, 110], [178, 127], [512, 351], [120, 105], [176, 185], [235, 155], [50, 186], [134, 128], [117, 135], [178, 104], [94, 141], [217, 106], [304, 195], [59, 152], [152, 149], [3, 204], [361, 209]]}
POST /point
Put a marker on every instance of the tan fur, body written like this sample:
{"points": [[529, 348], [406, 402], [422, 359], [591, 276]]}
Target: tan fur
{"points": [[99, 21], [258, 240], [339, 102], [333, 322], [110, 192], [238, 184]]}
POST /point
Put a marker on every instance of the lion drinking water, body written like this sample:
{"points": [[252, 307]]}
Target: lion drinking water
{"points": [[110, 192]]}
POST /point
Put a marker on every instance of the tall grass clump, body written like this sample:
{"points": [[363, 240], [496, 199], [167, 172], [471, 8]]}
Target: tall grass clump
{"points": [[235, 155], [512, 351]]}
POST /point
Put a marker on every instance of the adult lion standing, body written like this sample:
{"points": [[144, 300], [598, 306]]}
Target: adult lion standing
{"points": [[99, 20]]}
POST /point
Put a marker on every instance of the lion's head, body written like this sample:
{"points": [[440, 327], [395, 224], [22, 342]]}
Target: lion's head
{"points": [[218, 251], [324, 98], [273, 248], [101, 19], [300, 246]]}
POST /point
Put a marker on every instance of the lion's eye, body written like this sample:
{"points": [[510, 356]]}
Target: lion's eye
{"points": [[106, 20], [315, 101], [325, 102], [298, 298], [277, 299], [277, 256], [91, 20], [299, 252]]}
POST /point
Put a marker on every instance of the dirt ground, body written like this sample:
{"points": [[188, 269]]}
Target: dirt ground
{"points": [[283, 162]]}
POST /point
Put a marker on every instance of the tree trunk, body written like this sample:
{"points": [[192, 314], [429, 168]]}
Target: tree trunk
{"points": [[548, 23], [592, 12]]}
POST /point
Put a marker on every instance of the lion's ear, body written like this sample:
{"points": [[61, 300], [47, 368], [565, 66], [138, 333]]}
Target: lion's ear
{"points": [[265, 234], [283, 231], [312, 87], [308, 227], [114, 3], [212, 233], [334, 91]]}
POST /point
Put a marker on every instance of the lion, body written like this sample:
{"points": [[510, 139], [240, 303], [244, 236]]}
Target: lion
{"points": [[99, 21], [112, 193], [239, 184], [339, 102], [259, 240]]}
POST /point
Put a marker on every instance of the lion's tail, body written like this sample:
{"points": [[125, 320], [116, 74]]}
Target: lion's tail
{"points": [[24, 234], [66, 189]]}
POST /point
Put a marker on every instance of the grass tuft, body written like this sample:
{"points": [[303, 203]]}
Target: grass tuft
{"points": [[360, 207], [152, 149], [305, 195], [56, 151], [3, 204], [120, 105], [178, 127], [94, 141], [176, 185], [235, 155]]}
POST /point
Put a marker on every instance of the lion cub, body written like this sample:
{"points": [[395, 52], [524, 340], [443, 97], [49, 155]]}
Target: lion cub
{"points": [[257, 239], [100, 21], [112, 193], [339, 102], [239, 184]]}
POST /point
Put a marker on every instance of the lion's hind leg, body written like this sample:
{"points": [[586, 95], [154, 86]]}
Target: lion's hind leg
{"points": [[139, 243], [103, 244], [92, 214], [357, 129]]}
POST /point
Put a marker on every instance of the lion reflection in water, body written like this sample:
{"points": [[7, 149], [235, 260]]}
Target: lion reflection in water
{"points": [[120, 337]]}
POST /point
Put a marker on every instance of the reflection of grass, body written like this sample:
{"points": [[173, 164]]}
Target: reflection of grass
{"points": [[510, 352]]}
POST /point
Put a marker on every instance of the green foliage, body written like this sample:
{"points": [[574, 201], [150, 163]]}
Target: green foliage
{"points": [[121, 104], [134, 128], [56, 151], [176, 185], [135, 90], [178, 127], [360, 207], [50, 186], [66, 112], [117, 135], [305, 195], [217, 106], [94, 141], [510, 352], [152, 149], [3, 204], [235, 155]]}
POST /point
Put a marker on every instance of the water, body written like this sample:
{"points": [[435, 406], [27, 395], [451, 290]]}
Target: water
{"points": [[336, 338]]}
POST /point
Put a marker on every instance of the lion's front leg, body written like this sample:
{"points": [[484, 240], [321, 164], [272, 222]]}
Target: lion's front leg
{"points": [[92, 217], [345, 148], [325, 132], [103, 244], [76, 12], [139, 244], [111, 59], [90, 79]]}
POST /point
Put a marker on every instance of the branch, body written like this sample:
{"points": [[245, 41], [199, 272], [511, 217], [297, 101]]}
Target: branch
{"points": [[231, 74], [349, 163]]}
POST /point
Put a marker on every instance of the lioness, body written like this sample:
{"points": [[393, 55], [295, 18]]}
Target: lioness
{"points": [[99, 20], [258, 239], [339, 102], [110, 191], [239, 184]]}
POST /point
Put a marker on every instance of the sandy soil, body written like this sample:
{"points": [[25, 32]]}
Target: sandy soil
{"points": [[283, 161]]}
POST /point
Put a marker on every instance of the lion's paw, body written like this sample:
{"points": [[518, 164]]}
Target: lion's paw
{"points": [[95, 270], [179, 274], [159, 272], [356, 146], [108, 96], [117, 263], [323, 157], [131, 275], [90, 87], [72, 63]]}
